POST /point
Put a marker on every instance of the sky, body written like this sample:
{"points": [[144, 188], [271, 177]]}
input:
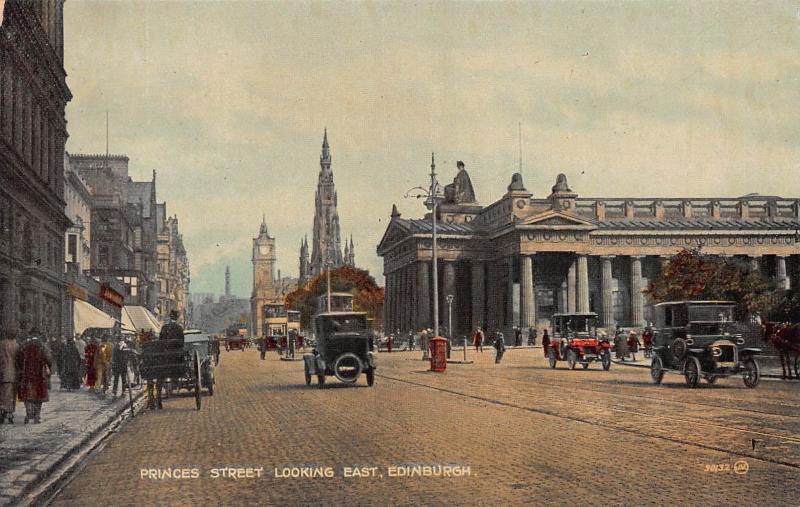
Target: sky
{"points": [[227, 101]]}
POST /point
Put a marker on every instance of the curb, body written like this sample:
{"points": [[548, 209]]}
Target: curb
{"points": [[52, 474]]}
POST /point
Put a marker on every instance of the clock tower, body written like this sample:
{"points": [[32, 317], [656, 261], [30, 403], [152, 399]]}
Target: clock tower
{"points": [[264, 286]]}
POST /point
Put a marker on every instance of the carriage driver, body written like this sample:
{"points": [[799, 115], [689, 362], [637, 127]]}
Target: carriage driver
{"points": [[172, 330]]}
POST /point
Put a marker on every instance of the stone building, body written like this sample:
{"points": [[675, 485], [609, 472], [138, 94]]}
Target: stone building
{"points": [[265, 289], [33, 131], [326, 246], [124, 225], [172, 271], [522, 258]]}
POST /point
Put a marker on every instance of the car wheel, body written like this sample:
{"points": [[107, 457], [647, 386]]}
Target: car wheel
{"points": [[572, 359], [370, 378], [347, 368], [320, 381], [657, 370], [551, 358], [752, 373], [691, 371], [308, 375], [606, 359]]}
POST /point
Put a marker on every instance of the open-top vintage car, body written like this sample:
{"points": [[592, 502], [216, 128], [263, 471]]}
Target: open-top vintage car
{"points": [[342, 349], [575, 341], [700, 339]]}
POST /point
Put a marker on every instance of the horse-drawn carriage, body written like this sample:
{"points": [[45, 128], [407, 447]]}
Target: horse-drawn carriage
{"points": [[184, 363]]}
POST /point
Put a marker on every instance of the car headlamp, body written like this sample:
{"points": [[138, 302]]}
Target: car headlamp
{"points": [[716, 351]]}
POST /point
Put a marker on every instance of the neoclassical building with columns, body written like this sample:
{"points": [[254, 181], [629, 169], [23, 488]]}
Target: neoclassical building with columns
{"points": [[519, 260]]}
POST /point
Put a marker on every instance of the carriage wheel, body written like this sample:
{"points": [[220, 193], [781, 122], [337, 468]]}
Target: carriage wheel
{"points": [[196, 363]]}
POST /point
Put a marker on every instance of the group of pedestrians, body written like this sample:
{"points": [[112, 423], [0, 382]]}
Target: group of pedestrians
{"points": [[629, 345], [26, 368]]}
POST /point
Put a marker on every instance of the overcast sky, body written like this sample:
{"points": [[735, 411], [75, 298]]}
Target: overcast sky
{"points": [[228, 102]]}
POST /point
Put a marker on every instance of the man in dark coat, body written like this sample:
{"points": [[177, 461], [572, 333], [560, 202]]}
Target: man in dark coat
{"points": [[532, 336], [500, 346], [172, 330], [119, 365], [545, 342], [70, 366], [34, 365]]}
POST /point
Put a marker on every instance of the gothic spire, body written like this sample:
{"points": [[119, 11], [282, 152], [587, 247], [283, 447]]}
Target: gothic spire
{"points": [[326, 153]]}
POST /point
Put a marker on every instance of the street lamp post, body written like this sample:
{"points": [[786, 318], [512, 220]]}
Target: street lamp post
{"points": [[432, 194]]}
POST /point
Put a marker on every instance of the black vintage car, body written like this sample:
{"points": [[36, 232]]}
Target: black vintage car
{"points": [[343, 348], [700, 339]]}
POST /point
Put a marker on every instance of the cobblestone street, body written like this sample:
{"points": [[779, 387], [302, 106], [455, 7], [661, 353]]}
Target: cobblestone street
{"points": [[529, 435]]}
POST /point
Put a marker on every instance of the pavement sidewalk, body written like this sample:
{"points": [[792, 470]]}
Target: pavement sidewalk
{"points": [[30, 453]]}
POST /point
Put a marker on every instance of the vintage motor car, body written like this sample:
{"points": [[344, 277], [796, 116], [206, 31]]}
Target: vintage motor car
{"points": [[700, 339], [196, 340], [575, 341], [342, 349]]}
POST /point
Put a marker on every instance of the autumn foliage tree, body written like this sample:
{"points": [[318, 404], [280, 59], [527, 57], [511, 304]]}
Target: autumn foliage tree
{"points": [[367, 296], [691, 274]]}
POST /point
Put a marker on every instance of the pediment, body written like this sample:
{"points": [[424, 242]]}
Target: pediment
{"points": [[395, 232], [557, 220]]}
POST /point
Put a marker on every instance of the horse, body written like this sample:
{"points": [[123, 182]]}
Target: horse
{"points": [[786, 339]]}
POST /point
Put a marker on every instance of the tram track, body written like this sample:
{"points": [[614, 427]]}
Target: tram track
{"points": [[635, 431]]}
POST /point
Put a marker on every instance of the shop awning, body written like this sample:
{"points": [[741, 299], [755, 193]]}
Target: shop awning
{"points": [[138, 318], [86, 316]]}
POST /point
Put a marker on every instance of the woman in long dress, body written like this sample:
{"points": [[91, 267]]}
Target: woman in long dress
{"points": [[91, 372]]}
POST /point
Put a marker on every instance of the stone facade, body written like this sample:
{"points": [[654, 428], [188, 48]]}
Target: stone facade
{"points": [[521, 259], [33, 96], [326, 246], [172, 272]]}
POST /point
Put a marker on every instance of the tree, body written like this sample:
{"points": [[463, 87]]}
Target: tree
{"points": [[690, 274], [367, 296]]}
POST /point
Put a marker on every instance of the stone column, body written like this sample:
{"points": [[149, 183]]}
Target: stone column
{"points": [[583, 283], [527, 299], [449, 288], [606, 288], [403, 286], [562, 298], [780, 272], [478, 292], [423, 295], [510, 293], [387, 302], [571, 287], [637, 303]]}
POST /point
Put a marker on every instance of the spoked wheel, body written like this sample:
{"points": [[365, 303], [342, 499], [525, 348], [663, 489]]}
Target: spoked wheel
{"points": [[606, 359], [370, 378], [196, 362], [308, 375], [691, 371], [657, 370], [752, 373], [572, 359], [551, 358]]}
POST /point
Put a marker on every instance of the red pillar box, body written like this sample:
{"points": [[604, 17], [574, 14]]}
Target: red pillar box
{"points": [[438, 354]]}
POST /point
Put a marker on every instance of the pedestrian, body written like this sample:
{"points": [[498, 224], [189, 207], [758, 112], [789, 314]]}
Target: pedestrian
{"points": [[545, 342], [517, 337], [647, 340], [633, 344], [89, 355], [262, 347], [102, 364], [119, 366], [410, 339], [500, 346], [8, 376], [619, 347], [54, 344], [477, 339], [80, 347], [33, 365], [532, 332], [389, 344], [71, 366]]}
